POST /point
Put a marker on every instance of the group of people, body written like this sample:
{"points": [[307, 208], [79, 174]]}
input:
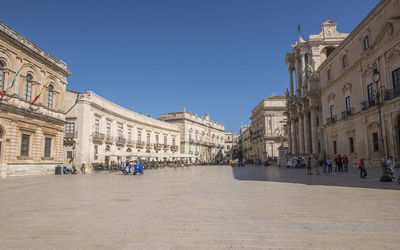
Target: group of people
{"points": [[341, 164]]}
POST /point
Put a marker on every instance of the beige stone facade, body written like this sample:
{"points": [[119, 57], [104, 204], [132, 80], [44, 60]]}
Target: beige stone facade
{"points": [[231, 142], [349, 95], [304, 110], [344, 96], [31, 136], [99, 131], [267, 126], [245, 142], [201, 137]]}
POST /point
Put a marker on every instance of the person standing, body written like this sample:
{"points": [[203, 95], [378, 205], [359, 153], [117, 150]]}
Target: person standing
{"points": [[309, 166], [322, 163], [345, 162], [363, 171], [337, 163], [316, 164], [329, 162], [390, 166]]}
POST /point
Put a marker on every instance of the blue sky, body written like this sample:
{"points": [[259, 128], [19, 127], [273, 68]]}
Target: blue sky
{"points": [[158, 56]]}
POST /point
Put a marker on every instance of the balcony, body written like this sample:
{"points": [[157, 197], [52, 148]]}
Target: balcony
{"points": [[347, 113], [109, 139], [71, 135], [148, 145], [96, 136], [391, 94], [139, 144], [166, 146], [368, 104], [129, 142], [158, 146], [174, 148], [120, 140], [331, 120]]}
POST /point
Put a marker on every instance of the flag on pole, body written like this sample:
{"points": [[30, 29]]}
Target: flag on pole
{"points": [[37, 96], [11, 85]]}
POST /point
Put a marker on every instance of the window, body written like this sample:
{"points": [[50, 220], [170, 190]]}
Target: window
{"points": [[173, 141], [25, 145], [96, 125], [50, 97], [129, 133], [108, 130], [334, 148], [70, 128], [348, 105], [351, 144], [332, 111], [228, 147], [28, 87], [329, 74], [371, 93], [157, 139], [366, 43], [96, 151], [190, 136], [396, 80], [344, 61], [148, 138], [69, 154], [47, 147], [375, 142], [139, 136], [2, 76], [120, 130], [165, 140]]}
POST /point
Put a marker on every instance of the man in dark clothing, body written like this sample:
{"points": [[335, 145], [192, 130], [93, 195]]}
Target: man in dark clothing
{"points": [[309, 166]]}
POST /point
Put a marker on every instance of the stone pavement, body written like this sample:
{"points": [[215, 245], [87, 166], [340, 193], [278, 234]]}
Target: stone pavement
{"points": [[201, 207]]}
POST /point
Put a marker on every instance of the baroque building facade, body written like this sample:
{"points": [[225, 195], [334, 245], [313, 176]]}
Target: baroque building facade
{"points": [[350, 96], [31, 135], [267, 126], [201, 138], [99, 131], [345, 97], [304, 110]]}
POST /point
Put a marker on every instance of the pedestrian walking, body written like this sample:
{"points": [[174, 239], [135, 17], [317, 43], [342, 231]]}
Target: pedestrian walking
{"points": [[316, 164], [363, 171], [329, 162], [390, 166], [345, 162], [338, 161], [309, 166]]}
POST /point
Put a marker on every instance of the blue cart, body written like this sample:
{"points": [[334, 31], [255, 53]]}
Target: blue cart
{"points": [[138, 168]]}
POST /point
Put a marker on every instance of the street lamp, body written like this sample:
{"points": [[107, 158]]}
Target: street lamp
{"points": [[376, 75]]}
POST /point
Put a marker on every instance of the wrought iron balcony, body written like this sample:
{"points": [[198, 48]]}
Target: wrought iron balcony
{"points": [[158, 146], [368, 104], [140, 144], [391, 94], [98, 136], [120, 140], [71, 135], [347, 113], [331, 120], [174, 147], [166, 146]]}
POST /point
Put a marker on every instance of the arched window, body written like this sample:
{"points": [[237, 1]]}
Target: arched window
{"points": [[28, 87], [50, 97], [2, 76]]}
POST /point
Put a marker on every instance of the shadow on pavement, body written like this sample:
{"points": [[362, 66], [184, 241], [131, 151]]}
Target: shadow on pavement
{"points": [[282, 174]]}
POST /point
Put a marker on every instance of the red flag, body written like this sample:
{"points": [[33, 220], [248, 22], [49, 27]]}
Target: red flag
{"points": [[37, 97]]}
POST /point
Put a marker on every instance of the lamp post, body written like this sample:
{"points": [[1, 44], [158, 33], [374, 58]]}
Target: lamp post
{"points": [[376, 75]]}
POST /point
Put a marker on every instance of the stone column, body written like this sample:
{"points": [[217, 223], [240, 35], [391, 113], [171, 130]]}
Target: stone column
{"points": [[301, 134], [289, 135], [291, 81], [298, 76], [307, 135], [294, 137], [303, 72], [314, 131]]}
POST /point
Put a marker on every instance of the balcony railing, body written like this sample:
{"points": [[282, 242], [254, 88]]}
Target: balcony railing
{"points": [[174, 147], [166, 146], [331, 120], [97, 136], [71, 135], [140, 144], [368, 104], [148, 145], [391, 94], [109, 139], [129, 142], [157, 146], [347, 113], [120, 140]]}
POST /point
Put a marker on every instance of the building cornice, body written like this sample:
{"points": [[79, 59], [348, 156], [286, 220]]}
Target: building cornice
{"points": [[28, 45]]}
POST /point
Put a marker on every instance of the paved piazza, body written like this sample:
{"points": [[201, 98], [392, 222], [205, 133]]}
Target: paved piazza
{"points": [[201, 207]]}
